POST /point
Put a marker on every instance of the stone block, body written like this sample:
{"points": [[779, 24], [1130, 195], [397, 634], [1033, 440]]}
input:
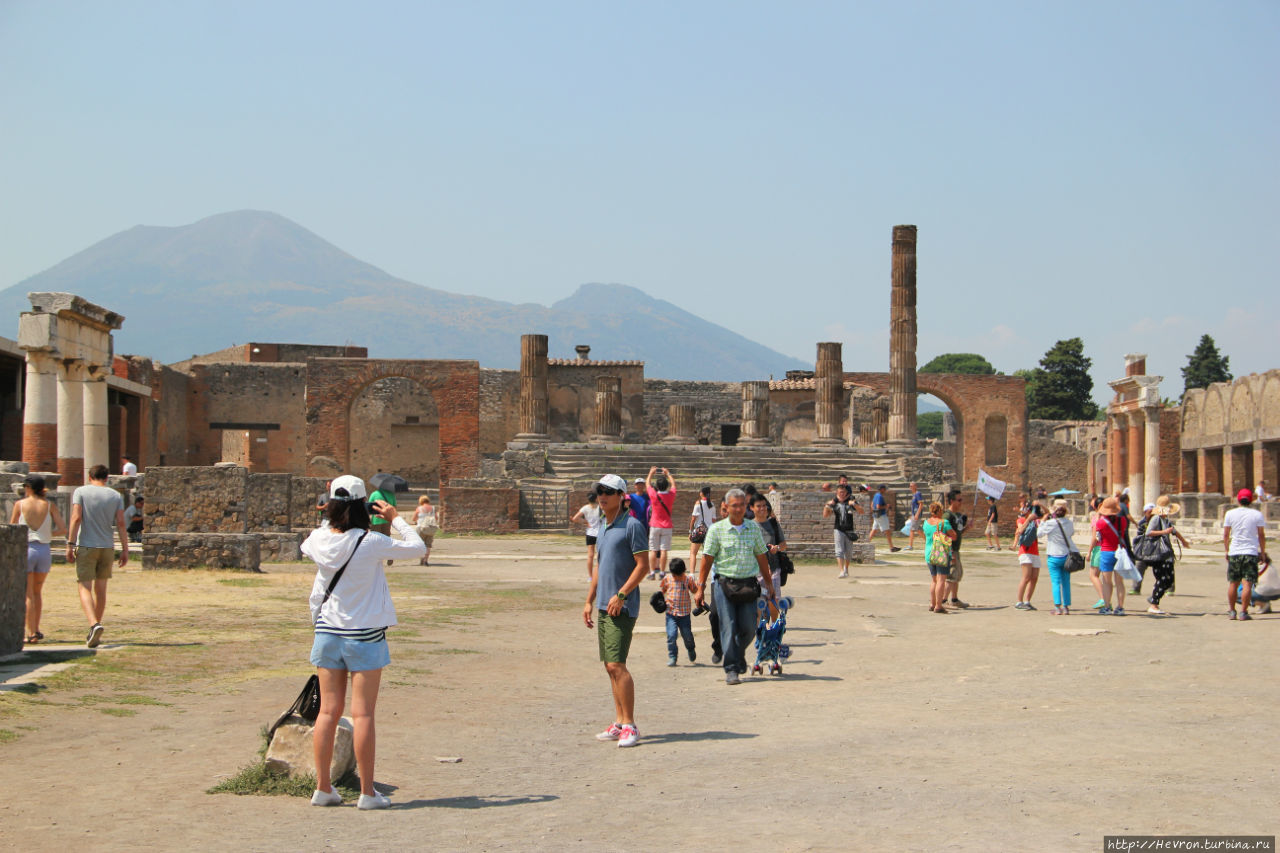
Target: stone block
{"points": [[281, 547], [201, 550], [15, 468], [13, 586], [519, 463], [291, 751]]}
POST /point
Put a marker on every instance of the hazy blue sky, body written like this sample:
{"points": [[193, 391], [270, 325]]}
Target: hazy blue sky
{"points": [[1097, 169]]}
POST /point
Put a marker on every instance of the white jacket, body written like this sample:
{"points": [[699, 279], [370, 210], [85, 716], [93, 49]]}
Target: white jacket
{"points": [[361, 599]]}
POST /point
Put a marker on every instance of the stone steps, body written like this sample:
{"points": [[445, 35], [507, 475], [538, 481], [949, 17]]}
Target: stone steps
{"points": [[731, 463]]}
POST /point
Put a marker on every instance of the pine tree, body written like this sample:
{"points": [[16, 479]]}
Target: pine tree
{"points": [[1205, 366], [959, 362], [1060, 389]]}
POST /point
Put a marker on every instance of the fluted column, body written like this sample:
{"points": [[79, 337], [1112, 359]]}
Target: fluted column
{"points": [[533, 388], [1151, 471], [608, 409], [880, 420], [755, 413], [902, 336], [71, 376], [680, 425], [97, 447], [40, 413], [1136, 456], [829, 393]]}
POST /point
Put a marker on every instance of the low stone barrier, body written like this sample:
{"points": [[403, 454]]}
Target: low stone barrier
{"points": [[201, 550], [13, 586], [281, 547]]}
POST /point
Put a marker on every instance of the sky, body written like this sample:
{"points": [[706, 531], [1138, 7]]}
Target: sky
{"points": [[1103, 170]]}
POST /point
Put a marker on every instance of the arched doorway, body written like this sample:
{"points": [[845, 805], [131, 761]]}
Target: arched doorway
{"points": [[394, 426]]}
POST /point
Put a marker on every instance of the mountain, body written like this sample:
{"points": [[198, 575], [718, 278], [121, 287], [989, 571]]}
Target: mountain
{"points": [[257, 276]]}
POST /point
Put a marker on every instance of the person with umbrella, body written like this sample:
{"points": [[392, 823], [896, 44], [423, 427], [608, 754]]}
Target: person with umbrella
{"points": [[385, 487]]}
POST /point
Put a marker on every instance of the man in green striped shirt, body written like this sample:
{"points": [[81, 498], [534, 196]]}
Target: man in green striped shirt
{"points": [[737, 548]]}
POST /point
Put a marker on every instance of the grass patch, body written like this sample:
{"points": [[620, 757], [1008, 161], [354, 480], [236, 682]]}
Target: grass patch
{"points": [[257, 779], [117, 712], [138, 700], [453, 652], [243, 581], [7, 735]]}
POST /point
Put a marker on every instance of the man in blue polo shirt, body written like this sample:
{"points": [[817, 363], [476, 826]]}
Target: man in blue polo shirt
{"points": [[622, 561], [737, 548]]}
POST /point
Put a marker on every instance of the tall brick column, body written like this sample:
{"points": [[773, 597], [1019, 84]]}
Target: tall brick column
{"points": [[680, 425], [902, 337], [533, 388], [755, 413], [829, 393], [71, 423], [40, 413], [608, 409], [97, 449]]}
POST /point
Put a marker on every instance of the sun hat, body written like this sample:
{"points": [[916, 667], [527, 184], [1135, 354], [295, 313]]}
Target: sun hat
{"points": [[351, 485], [1059, 504], [1110, 506], [1166, 506], [1148, 507], [612, 481], [1244, 495]]}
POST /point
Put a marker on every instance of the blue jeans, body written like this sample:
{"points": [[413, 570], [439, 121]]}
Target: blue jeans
{"points": [[1061, 580], [737, 628], [685, 625]]}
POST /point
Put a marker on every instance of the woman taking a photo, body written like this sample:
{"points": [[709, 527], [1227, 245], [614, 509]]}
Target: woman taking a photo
{"points": [[43, 522], [704, 515], [351, 609]]}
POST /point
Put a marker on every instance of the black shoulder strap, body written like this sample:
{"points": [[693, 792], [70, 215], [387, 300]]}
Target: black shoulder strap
{"points": [[338, 574]]}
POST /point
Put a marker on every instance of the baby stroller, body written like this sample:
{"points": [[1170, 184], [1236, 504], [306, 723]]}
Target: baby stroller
{"points": [[769, 646]]}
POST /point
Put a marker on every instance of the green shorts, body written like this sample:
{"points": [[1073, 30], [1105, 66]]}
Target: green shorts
{"points": [[1242, 567], [94, 564], [614, 634]]}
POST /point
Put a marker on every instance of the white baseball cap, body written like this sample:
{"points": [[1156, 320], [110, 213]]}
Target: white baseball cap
{"points": [[612, 481], [352, 485]]}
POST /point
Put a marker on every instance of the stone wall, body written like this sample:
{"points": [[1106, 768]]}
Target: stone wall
{"points": [[13, 587], [480, 508], [571, 398], [499, 408], [714, 404], [267, 503], [1056, 465], [201, 550], [257, 407], [197, 500], [304, 493], [1230, 434]]}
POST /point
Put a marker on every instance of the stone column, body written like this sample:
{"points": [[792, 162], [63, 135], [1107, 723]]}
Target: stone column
{"points": [[1151, 467], [1117, 469], [755, 413], [902, 336], [533, 388], [40, 413], [71, 423], [1136, 457], [828, 394], [97, 448], [880, 420], [680, 425], [608, 409]]}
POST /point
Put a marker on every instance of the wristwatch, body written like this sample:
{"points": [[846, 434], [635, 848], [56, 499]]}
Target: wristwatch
{"points": [[621, 596]]}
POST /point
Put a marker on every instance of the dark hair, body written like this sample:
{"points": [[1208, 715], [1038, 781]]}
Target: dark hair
{"points": [[36, 483], [759, 498], [749, 488], [660, 483], [345, 514], [591, 496], [952, 496], [705, 491], [676, 565], [99, 472]]}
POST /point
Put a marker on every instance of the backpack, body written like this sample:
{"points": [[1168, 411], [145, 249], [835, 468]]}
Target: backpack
{"points": [[1027, 538], [939, 548]]}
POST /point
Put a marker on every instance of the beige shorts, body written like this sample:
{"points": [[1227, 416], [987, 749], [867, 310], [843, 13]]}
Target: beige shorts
{"points": [[94, 564], [991, 529]]}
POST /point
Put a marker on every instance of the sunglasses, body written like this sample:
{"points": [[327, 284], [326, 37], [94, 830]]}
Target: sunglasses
{"points": [[605, 490]]}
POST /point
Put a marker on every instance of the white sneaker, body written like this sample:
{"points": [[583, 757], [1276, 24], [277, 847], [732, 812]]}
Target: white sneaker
{"points": [[326, 798], [843, 575], [374, 801], [612, 733], [628, 736]]}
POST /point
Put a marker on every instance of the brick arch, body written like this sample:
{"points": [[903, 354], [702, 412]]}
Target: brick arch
{"points": [[972, 398], [333, 384]]}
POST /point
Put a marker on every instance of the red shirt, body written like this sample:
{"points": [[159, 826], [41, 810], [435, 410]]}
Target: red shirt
{"points": [[1107, 527], [1035, 546]]}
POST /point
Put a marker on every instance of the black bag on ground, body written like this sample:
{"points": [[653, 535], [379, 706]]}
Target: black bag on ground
{"points": [[740, 590]]}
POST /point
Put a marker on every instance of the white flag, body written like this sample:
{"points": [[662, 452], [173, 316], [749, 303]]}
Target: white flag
{"points": [[989, 485]]}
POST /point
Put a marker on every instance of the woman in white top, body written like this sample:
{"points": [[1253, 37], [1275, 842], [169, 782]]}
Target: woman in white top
{"points": [[704, 515], [590, 513], [1057, 532], [43, 522], [351, 609]]}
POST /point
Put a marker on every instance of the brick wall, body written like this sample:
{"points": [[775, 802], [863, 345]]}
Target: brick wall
{"points": [[499, 408], [263, 400], [483, 509]]}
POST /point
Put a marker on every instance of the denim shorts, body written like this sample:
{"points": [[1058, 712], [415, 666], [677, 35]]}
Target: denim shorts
{"points": [[1106, 561], [330, 651]]}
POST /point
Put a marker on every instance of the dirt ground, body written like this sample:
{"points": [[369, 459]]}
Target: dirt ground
{"points": [[892, 728]]}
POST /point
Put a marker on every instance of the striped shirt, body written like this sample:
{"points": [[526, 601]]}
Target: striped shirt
{"points": [[734, 549], [363, 635], [676, 589]]}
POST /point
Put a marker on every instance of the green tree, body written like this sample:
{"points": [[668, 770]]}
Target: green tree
{"points": [[1060, 389], [959, 362], [1205, 366], [929, 425]]}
